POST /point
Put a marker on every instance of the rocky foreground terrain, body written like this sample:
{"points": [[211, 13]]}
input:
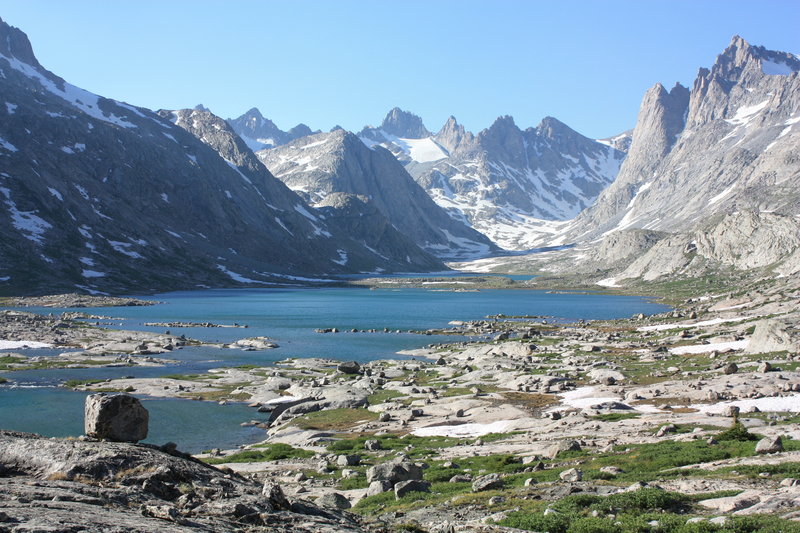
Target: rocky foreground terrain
{"points": [[85, 485], [683, 421]]}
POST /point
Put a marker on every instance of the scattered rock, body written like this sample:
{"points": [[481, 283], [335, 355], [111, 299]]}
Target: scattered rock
{"points": [[334, 500], [394, 472], [664, 430], [274, 495], [348, 460], [412, 485], [769, 445], [378, 487], [612, 470], [571, 475], [116, 417], [563, 446], [731, 411], [349, 367], [487, 482]]}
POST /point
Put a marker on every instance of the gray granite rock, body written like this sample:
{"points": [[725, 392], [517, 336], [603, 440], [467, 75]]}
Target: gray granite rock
{"points": [[116, 417]]}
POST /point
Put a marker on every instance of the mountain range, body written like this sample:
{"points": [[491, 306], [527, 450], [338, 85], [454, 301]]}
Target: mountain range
{"points": [[711, 181], [102, 196], [513, 185], [338, 162]]}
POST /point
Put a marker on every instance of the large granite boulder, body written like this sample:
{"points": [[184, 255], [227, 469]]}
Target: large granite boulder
{"points": [[394, 472], [116, 417], [769, 445], [349, 367]]}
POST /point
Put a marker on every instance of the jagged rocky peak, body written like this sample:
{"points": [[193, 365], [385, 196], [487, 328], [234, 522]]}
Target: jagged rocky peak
{"points": [[727, 146], [452, 135], [255, 121], [15, 44], [661, 119], [554, 129], [504, 140], [741, 68], [214, 132], [404, 125], [301, 130], [74, 189], [327, 163], [201, 107], [741, 59], [260, 132]]}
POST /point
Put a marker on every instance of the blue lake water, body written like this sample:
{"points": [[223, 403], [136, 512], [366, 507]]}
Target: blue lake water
{"points": [[194, 426], [289, 316]]}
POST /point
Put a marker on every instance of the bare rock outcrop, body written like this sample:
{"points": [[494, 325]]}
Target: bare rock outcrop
{"points": [[71, 485]]}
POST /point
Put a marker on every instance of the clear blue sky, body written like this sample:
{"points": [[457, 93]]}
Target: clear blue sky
{"points": [[348, 62]]}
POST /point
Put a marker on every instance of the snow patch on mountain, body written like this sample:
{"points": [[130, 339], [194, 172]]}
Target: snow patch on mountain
{"points": [[85, 101], [423, 150], [26, 222], [7, 145], [745, 114], [235, 276]]}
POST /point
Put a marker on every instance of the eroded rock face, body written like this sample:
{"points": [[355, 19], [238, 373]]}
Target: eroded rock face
{"points": [[118, 417]]}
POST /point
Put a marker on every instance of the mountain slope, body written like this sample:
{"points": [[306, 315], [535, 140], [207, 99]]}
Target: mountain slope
{"points": [[104, 196], [513, 185], [364, 231], [321, 164]]}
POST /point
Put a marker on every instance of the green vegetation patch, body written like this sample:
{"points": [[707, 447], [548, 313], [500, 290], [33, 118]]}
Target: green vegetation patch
{"points": [[414, 446], [439, 494], [262, 453], [383, 395], [615, 417], [334, 419], [74, 383], [737, 432], [641, 511]]}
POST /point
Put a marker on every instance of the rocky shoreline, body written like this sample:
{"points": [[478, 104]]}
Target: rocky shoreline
{"points": [[72, 300], [696, 410], [87, 343]]}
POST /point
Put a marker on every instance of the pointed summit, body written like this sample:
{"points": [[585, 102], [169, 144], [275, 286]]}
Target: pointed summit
{"points": [[404, 125], [15, 44], [743, 62], [452, 135], [552, 128], [501, 129]]}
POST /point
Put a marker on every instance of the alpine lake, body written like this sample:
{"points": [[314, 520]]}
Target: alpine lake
{"points": [[36, 401]]}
